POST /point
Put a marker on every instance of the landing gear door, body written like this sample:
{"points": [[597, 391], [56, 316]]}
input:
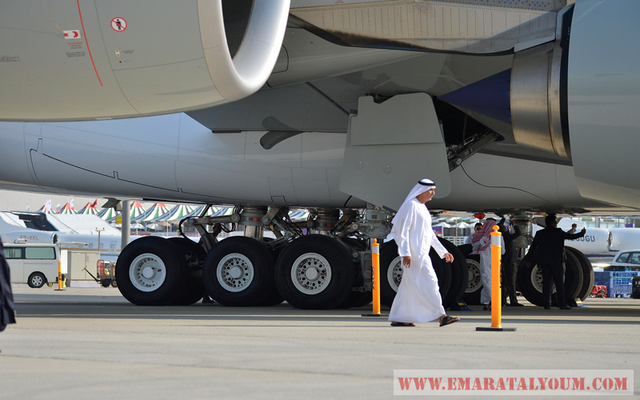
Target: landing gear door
{"points": [[390, 147]]}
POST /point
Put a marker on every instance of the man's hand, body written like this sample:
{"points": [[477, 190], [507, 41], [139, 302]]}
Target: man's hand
{"points": [[406, 261], [448, 257], [584, 230]]}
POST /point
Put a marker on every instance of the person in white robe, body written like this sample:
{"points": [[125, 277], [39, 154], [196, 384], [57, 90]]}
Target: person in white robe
{"points": [[481, 244], [418, 298]]}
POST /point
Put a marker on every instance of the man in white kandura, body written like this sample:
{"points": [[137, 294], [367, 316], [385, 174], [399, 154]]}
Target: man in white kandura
{"points": [[418, 298]]}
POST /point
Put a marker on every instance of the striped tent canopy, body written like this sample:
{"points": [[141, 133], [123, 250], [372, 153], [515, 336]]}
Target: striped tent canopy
{"points": [[155, 211], [67, 209], [136, 210], [175, 214], [108, 214], [214, 211], [89, 208]]}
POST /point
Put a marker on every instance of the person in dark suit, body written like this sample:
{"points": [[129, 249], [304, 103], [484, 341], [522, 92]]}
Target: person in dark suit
{"points": [[509, 263], [7, 307], [549, 245]]}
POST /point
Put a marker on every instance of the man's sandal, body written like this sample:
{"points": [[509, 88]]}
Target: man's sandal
{"points": [[402, 324], [446, 320]]}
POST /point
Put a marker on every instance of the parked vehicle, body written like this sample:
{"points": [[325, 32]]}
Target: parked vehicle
{"points": [[626, 260], [33, 264]]}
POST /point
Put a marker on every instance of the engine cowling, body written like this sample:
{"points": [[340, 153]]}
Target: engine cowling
{"points": [[578, 98], [110, 59]]}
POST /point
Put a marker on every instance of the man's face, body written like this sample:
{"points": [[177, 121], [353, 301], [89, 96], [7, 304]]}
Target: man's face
{"points": [[426, 196]]}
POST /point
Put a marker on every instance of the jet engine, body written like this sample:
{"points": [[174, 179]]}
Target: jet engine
{"points": [[576, 97], [95, 59]]}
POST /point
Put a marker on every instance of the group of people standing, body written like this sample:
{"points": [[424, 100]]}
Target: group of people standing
{"points": [[481, 244]]}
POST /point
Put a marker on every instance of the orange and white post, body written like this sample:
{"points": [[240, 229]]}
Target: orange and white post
{"points": [[375, 261], [496, 290]]}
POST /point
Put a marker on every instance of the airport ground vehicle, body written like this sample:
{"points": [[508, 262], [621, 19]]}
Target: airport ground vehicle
{"points": [[33, 264]]}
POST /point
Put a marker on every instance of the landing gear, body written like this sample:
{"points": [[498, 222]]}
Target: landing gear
{"points": [[239, 271], [150, 272], [327, 266], [315, 272]]}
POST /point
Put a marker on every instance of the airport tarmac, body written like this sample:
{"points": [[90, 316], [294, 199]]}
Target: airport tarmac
{"points": [[90, 343]]}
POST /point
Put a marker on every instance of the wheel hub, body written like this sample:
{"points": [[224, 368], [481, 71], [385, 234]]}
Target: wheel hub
{"points": [[311, 273], [147, 272], [235, 272]]}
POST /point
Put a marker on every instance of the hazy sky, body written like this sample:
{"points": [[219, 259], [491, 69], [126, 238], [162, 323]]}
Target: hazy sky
{"points": [[17, 201]]}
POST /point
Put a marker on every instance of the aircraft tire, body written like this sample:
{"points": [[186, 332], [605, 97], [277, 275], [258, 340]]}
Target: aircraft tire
{"points": [[587, 273], [529, 281], [315, 272], [459, 272], [573, 278], [149, 272], [391, 273], [474, 284], [239, 272], [194, 255]]}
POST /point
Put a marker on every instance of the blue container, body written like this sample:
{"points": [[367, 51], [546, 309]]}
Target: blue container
{"points": [[618, 283]]}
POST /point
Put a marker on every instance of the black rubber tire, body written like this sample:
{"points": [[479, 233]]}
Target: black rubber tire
{"points": [[106, 282], [388, 255], [525, 285], [473, 287], [338, 260], [250, 255], [163, 250], [573, 278], [36, 280], [193, 255], [389, 259], [587, 273], [459, 273], [573, 282], [443, 271]]}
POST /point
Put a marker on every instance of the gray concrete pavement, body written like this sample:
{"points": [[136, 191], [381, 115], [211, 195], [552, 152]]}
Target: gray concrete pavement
{"points": [[90, 343]]}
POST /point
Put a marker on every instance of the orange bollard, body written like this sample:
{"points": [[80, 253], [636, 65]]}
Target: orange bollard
{"points": [[59, 276], [375, 278], [375, 261], [496, 290]]}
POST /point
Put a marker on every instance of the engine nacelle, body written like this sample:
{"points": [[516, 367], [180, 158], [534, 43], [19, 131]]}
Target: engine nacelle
{"points": [[112, 59], [579, 98]]}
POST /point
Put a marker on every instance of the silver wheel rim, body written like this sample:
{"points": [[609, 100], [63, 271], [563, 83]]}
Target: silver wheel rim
{"points": [[311, 273], [536, 280], [37, 281], [394, 273], [475, 279], [235, 272], [147, 272]]}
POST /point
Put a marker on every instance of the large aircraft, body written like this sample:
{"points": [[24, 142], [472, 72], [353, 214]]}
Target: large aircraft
{"points": [[513, 107]]}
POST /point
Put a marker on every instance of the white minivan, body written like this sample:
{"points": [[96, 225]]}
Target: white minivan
{"points": [[33, 264]]}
